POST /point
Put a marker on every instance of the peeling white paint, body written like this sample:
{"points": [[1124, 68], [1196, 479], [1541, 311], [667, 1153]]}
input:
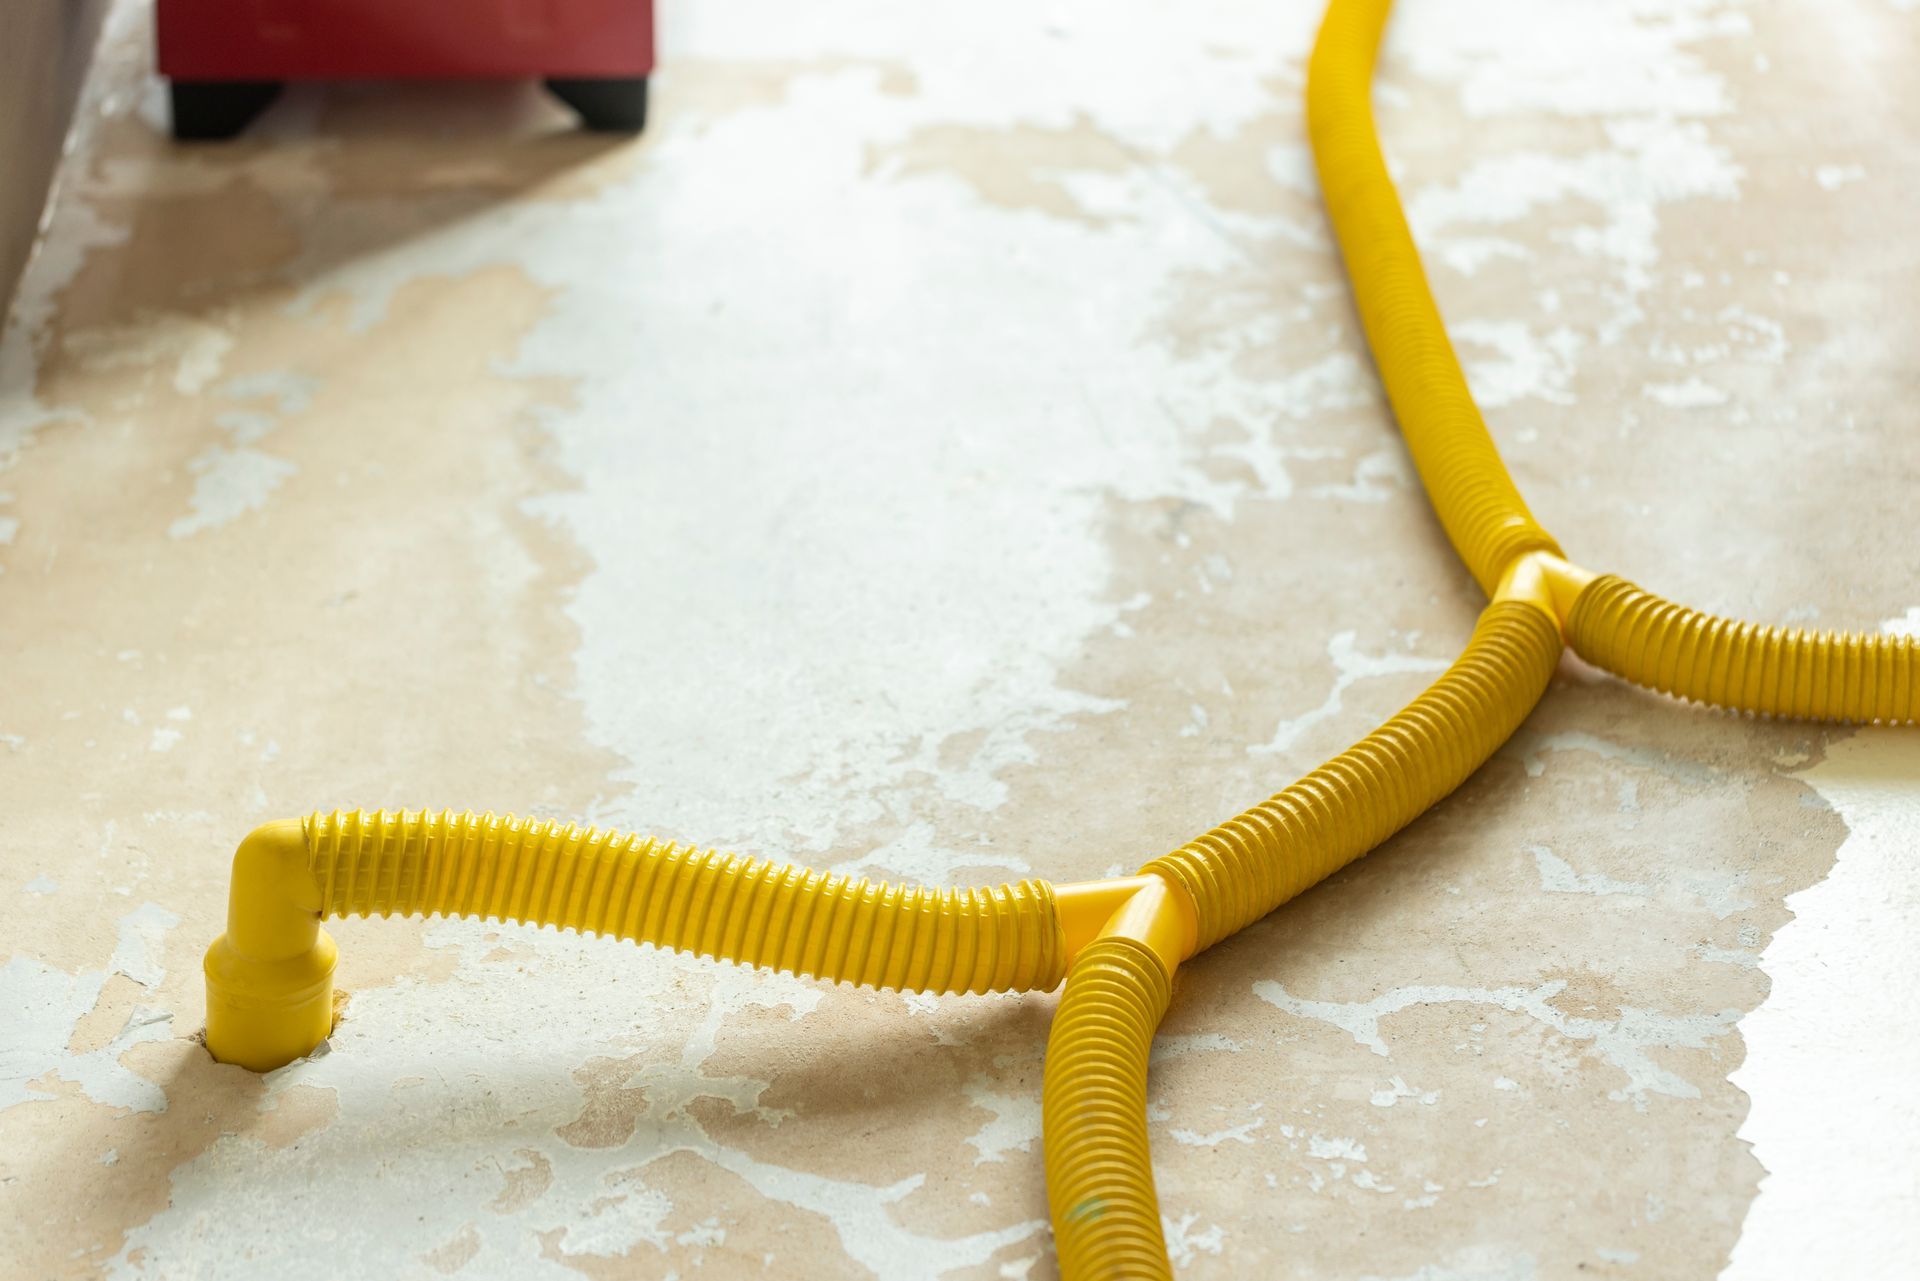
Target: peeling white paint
{"points": [[1533, 749], [1623, 1043], [1834, 177], [1185, 1242], [1649, 163], [1526, 365], [1337, 1148], [1398, 1089], [41, 1008], [1567, 58], [1694, 393], [1908, 624], [1015, 1126], [1242, 1133], [228, 483], [1475, 1263], [1829, 1065], [429, 1078], [1179, 1045], [1350, 665], [140, 952], [234, 478], [1378, 476], [1558, 877]]}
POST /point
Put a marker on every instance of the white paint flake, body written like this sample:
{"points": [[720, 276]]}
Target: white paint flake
{"points": [[139, 954], [1015, 1126], [1834, 177], [1623, 1043], [1337, 1148], [1185, 1243], [1476, 1263], [228, 483], [1398, 1089], [1242, 1133], [1908, 624], [1525, 365], [1351, 665], [1558, 877], [1694, 393], [40, 1008]]}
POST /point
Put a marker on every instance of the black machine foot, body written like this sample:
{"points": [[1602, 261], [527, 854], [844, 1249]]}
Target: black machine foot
{"points": [[208, 110], [605, 104]]}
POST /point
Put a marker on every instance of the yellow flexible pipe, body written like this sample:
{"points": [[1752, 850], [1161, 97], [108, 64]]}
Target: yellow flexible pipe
{"points": [[1830, 676], [1467, 483], [289, 876], [1743, 666], [1093, 1112], [1118, 942], [1254, 862], [1099, 1175]]}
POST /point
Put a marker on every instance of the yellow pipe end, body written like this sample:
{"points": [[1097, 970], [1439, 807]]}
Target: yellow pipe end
{"points": [[265, 1014], [270, 976]]}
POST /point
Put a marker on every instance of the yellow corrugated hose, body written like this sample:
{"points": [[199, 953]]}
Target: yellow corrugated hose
{"points": [[1467, 483], [1819, 676], [719, 905], [1117, 942]]}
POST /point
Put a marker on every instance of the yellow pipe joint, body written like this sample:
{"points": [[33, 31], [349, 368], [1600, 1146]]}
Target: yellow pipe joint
{"points": [[270, 976], [1146, 908], [1546, 581]]}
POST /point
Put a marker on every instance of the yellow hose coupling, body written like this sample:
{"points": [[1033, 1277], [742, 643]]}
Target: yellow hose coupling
{"points": [[1546, 580], [1146, 908], [270, 976]]}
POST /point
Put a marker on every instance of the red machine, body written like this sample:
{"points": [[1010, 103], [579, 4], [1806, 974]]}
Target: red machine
{"points": [[227, 59]]}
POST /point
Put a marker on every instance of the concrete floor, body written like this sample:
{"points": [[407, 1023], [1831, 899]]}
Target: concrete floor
{"points": [[943, 447]]}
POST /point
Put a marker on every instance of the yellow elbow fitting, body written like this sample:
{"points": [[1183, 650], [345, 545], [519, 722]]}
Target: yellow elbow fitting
{"points": [[270, 976]]}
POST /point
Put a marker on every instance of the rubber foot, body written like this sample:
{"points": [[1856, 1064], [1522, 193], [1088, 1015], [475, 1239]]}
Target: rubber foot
{"points": [[612, 104], [214, 110]]}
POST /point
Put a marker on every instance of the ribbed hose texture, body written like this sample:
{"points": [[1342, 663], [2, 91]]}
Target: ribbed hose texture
{"points": [[1249, 865], [1472, 493], [1826, 676], [845, 929], [1106, 1216]]}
